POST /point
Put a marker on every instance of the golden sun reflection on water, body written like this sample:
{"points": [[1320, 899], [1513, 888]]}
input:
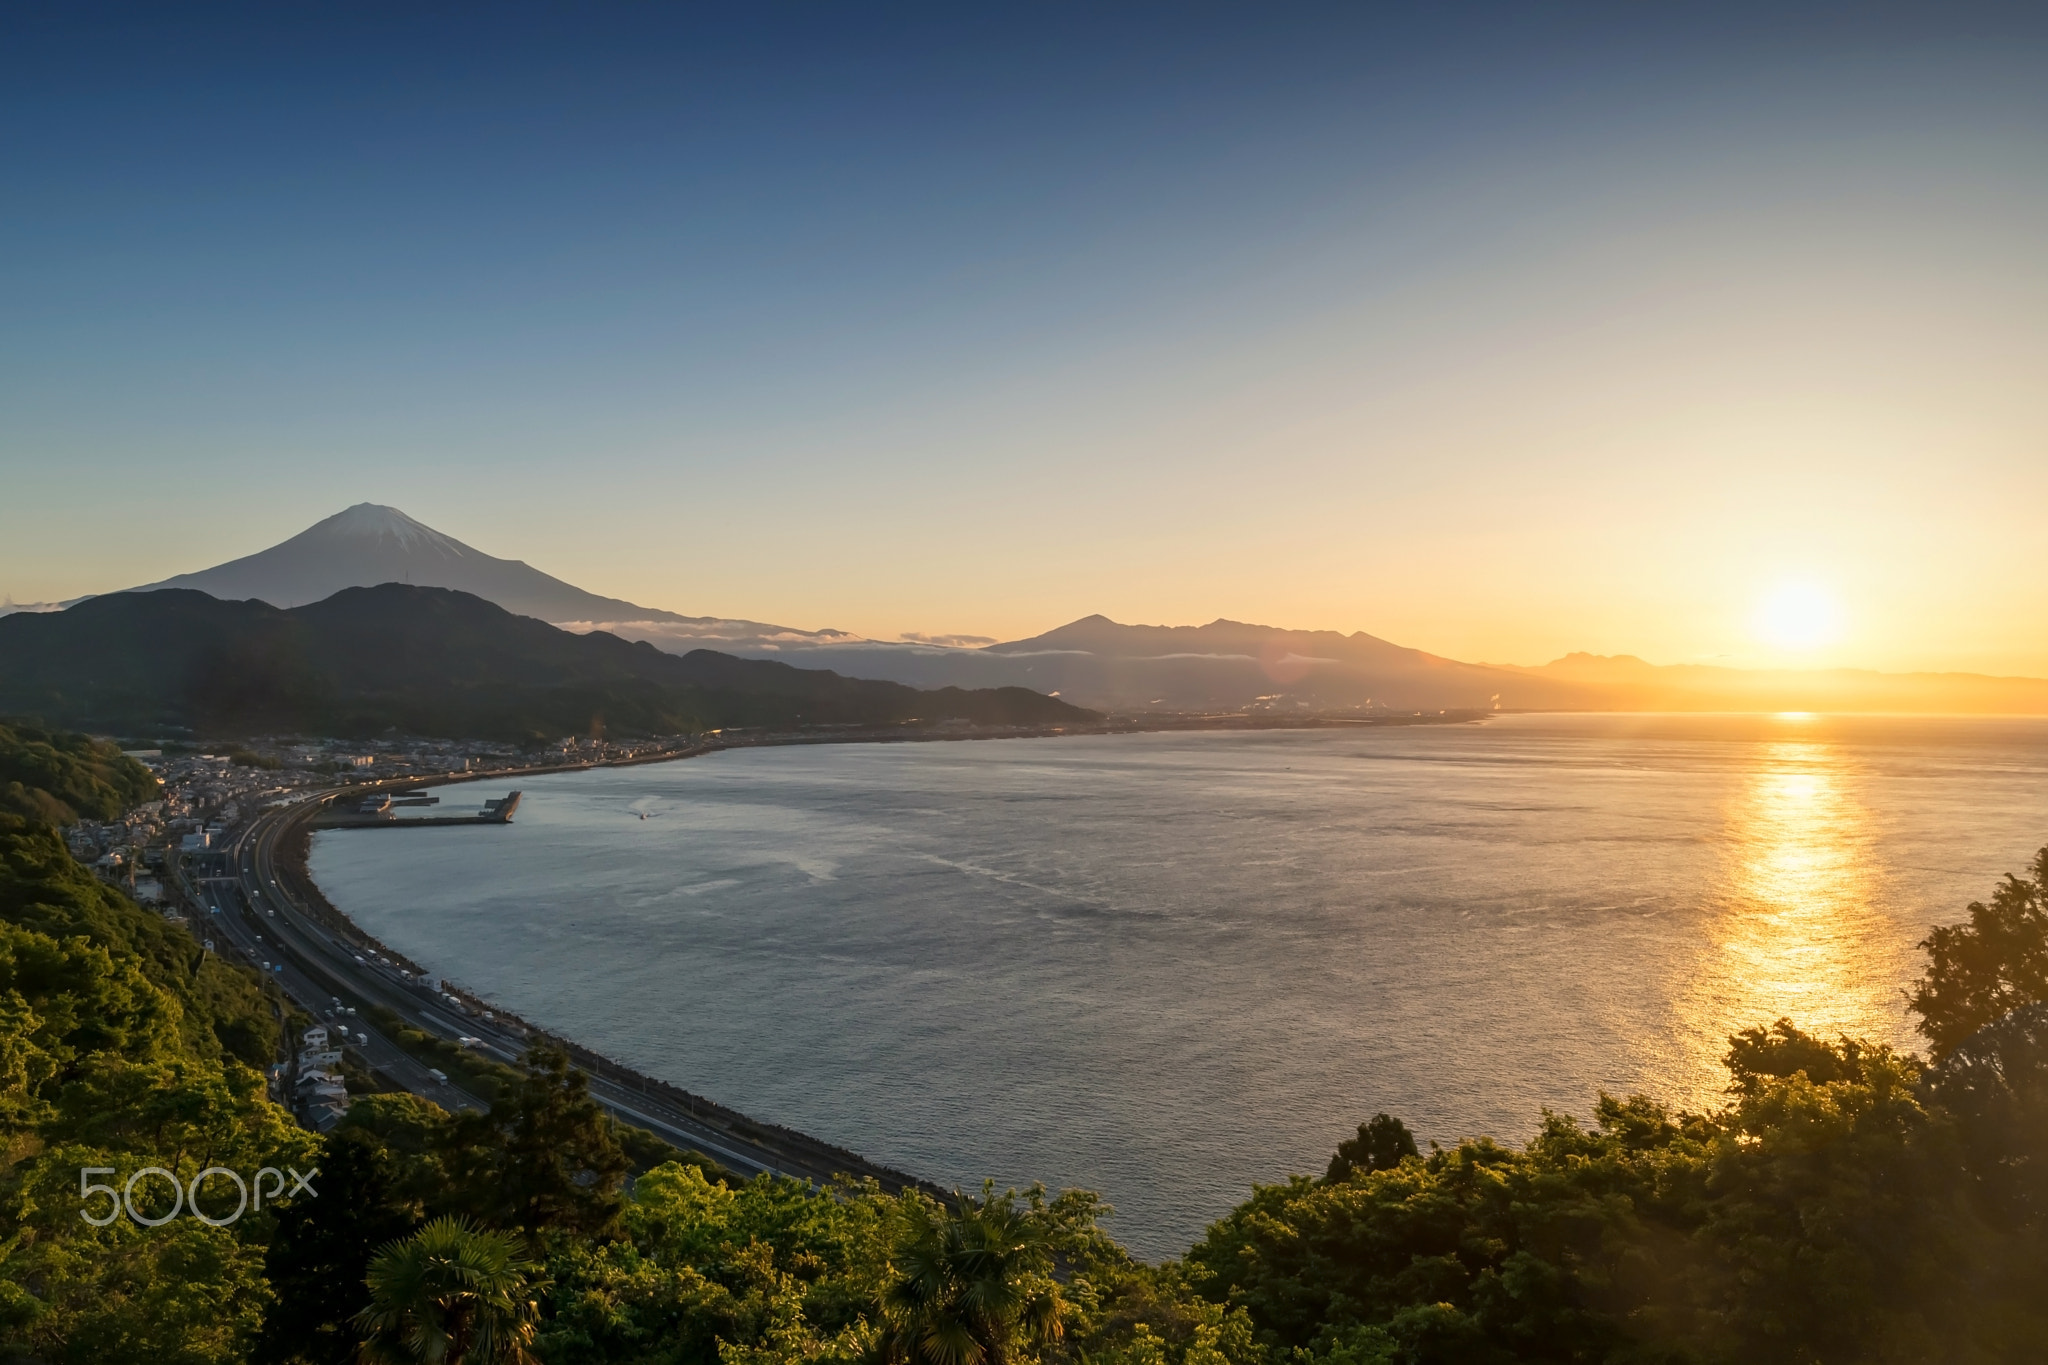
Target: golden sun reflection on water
{"points": [[1800, 932]]}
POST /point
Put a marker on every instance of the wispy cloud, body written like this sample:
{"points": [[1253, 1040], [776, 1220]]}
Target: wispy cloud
{"points": [[917, 637]]}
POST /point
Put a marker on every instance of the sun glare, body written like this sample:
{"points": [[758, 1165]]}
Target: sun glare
{"points": [[1799, 616]]}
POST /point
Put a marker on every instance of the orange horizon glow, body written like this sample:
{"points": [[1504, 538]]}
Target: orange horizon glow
{"points": [[1610, 379]]}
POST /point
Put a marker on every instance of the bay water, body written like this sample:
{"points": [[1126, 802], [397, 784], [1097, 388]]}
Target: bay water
{"points": [[1167, 966]]}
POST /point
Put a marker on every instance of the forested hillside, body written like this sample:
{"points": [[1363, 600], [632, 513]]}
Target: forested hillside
{"points": [[122, 1045], [54, 778], [1847, 1204]]}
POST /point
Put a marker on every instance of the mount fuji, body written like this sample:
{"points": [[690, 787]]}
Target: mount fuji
{"points": [[369, 544]]}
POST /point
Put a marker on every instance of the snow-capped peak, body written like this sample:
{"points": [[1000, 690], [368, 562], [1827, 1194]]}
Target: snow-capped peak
{"points": [[374, 521]]}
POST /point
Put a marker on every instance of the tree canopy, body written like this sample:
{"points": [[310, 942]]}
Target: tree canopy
{"points": [[1991, 964], [53, 777], [122, 1045]]}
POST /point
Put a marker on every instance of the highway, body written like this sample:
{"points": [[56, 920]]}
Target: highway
{"points": [[257, 902], [262, 943]]}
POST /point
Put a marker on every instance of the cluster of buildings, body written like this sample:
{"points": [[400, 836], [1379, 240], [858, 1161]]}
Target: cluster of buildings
{"points": [[603, 750], [382, 759], [319, 1094], [206, 794], [129, 851], [439, 758], [203, 794]]}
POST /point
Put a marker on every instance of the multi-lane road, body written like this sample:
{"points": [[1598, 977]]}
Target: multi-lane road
{"points": [[262, 939], [256, 901]]}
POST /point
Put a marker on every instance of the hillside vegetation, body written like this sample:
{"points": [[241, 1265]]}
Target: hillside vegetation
{"points": [[1848, 1203], [423, 661], [56, 778], [122, 1045]]}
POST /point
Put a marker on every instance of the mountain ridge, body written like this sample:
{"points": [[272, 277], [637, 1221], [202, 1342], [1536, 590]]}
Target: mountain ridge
{"points": [[1224, 665], [425, 661]]}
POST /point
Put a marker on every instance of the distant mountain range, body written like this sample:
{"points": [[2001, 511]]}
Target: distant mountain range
{"points": [[1223, 666], [1231, 665], [424, 661], [1094, 662]]}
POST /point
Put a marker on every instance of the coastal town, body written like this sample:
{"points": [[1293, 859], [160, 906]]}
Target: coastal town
{"points": [[206, 792], [171, 855], [220, 852]]}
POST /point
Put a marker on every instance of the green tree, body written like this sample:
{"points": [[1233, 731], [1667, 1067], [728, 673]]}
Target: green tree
{"points": [[972, 1284], [545, 1158], [1995, 1086], [709, 1273], [122, 1045], [180, 1294], [451, 1294], [1989, 966], [321, 1252], [1383, 1142], [1837, 1223], [54, 777]]}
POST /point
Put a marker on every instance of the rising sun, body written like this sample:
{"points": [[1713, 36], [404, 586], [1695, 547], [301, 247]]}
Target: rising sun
{"points": [[1799, 616]]}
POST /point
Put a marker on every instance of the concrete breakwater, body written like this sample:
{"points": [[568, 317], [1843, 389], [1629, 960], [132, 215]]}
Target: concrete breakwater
{"points": [[378, 811]]}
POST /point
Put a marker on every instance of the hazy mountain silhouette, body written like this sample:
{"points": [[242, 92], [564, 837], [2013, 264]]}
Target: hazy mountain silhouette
{"points": [[1234, 665], [1095, 662], [426, 661], [1223, 666]]}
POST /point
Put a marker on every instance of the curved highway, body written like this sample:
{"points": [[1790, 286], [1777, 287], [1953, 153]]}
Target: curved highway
{"points": [[261, 906]]}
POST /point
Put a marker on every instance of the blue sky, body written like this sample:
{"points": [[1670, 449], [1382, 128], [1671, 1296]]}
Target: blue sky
{"points": [[1502, 331]]}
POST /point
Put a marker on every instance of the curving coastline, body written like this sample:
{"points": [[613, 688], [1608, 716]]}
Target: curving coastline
{"points": [[323, 951], [326, 948]]}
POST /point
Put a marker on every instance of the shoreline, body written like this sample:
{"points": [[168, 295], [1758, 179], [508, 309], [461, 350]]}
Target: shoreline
{"points": [[742, 739], [776, 1148], [295, 849], [727, 1068], [300, 820]]}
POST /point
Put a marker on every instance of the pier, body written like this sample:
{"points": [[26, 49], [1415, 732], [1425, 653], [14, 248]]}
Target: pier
{"points": [[377, 811]]}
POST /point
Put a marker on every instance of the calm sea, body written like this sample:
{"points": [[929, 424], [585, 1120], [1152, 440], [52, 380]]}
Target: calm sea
{"points": [[1166, 966]]}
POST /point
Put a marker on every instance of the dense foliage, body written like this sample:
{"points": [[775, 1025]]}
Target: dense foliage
{"points": [[452, 1291], [1848, 1203], [424, 661], [122, 1045], [55, 778], [1993, 963]]}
